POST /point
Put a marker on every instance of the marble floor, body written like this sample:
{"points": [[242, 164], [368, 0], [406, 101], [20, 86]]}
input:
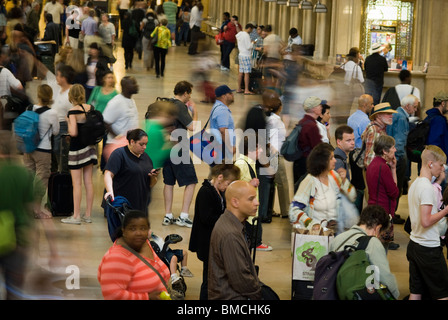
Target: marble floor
{"points": [[80, 247]]}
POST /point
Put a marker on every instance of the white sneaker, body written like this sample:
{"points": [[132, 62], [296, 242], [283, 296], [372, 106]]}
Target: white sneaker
{"points": [[71, 220], [184, 222], [185, 272], [167, 221]]}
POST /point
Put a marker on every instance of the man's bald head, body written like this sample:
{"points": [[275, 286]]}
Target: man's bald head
{"points": [[241, 199]]}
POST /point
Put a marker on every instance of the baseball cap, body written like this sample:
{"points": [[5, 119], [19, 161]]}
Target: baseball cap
{"points": [[311, 102], [441, 96], [222, 90]]}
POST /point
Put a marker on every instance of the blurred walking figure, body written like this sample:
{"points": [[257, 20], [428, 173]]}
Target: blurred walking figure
{"points": [[17, 195]]}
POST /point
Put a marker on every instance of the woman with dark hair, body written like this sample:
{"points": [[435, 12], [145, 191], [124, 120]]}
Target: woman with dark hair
{"points": [[210, 204], [123, 275], [381, 178], [323, 122], [317, 198], [373, 221], [129, 172]]}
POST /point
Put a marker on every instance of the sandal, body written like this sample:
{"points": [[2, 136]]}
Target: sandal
{"points": [[41, 215]]}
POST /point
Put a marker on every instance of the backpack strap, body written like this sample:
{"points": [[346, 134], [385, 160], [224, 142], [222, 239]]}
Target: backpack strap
{"points": [[41, 109], [363, 242], [252, 172], [348, 240]]}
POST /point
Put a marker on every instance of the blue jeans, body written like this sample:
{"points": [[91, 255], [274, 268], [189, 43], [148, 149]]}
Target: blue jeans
{"points": [[183, 33], [226, 48]]}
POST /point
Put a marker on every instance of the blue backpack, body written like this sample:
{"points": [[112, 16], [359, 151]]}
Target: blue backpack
{"points": [[26, 129]]}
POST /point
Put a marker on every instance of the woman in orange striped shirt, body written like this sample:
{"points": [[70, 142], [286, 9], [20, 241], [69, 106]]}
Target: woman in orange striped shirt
{"points": [[121, 274]]}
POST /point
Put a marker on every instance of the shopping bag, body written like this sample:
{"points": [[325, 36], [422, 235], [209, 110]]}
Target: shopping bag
{"points": [[348, 214], [307, 250]]}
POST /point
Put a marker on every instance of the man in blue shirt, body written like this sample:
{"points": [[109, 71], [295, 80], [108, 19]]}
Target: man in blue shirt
{"points": [[360, 119], [221, 120], [438, 132], [399, 130]]}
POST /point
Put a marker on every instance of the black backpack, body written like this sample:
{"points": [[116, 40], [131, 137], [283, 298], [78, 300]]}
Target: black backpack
{"points": [[290, 149], [149, 28], [391, 96], [94, 129], [416, 140]]}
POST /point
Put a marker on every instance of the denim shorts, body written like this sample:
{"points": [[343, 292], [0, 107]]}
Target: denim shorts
{"points": [[176, 252]]}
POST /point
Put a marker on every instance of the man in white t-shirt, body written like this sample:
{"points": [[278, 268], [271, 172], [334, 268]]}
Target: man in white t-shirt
{"points": [[428, 271], [61, 84], [56, 9], [121, 114], [244, 58]]}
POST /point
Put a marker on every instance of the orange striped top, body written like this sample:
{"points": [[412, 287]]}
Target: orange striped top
{"points": [[123, 276]]}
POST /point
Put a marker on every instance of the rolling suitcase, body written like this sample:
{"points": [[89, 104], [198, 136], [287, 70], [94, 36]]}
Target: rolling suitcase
{"points": [[60, 192]]}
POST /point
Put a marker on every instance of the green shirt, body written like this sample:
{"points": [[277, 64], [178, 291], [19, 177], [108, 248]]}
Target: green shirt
{"points": [[100, 100], [170, 10], [158, 148], [17, 195]]}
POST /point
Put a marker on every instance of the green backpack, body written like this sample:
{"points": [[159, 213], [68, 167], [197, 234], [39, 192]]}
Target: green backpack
{"points": [[354, 273], [7, 232]]}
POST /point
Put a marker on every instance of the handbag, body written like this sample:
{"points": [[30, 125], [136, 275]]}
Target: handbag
{"points": [[348, 214], [155, 38], [219, 38], [199, 145], [175, 295], [8, 240], [356, 87]]}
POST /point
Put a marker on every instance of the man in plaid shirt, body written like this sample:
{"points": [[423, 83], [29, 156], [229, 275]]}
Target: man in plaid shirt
{"points": [[380, 118]]}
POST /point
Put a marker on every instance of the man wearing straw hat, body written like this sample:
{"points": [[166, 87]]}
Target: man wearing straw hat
{"points": [[382, 116], [375, 67]]}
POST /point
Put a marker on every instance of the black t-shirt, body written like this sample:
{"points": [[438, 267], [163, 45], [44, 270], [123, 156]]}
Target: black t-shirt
{"points": [[184, 118], [131, 178], [375, 66]]}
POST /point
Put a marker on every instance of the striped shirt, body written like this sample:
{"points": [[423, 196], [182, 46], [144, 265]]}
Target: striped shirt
{"points": [[123, 276]]}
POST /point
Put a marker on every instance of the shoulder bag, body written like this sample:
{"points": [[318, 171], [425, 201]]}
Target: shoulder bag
{"points": [[175, 295]]}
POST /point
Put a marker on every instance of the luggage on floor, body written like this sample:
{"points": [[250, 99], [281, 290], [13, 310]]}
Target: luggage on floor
{"points": [[60, 194], [60, 190]]}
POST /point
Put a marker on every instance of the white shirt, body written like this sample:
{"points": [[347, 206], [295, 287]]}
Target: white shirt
{"points": [[61, 102], [56, 10], [244, 44], [324, 201], [48, 126], [404, 89], [122, 114], [7, 80], [277, 131], [124, 4], [195, 17], [421, 193], [323, 132], [352, 70]]}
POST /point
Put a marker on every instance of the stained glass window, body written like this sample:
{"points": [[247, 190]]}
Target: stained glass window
{"points": [[388, 21]]}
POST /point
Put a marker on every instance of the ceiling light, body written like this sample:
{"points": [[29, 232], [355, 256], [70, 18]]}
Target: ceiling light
{"points": [[305, 5], [282, 1], [293, 3], [319, 7]]}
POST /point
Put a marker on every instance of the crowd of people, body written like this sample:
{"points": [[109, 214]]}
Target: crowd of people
{"points": [[368, 164]]}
